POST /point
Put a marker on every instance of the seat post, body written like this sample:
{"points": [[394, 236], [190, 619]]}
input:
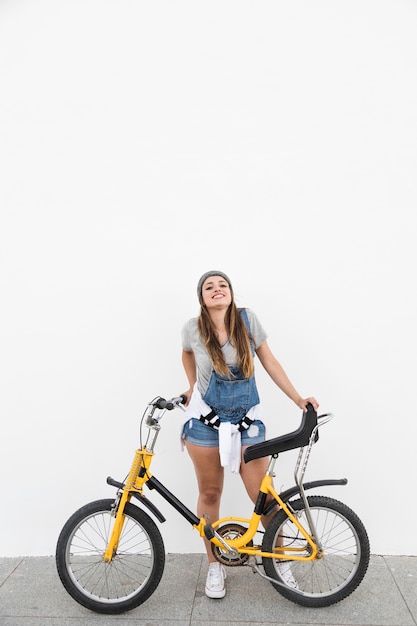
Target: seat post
{"points": [[271, 465]]}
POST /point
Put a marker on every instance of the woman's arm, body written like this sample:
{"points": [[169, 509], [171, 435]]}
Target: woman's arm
{"points": [[280, 378], [188, 361]]}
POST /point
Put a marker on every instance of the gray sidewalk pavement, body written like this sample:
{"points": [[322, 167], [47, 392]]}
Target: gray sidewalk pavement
{"points": [[31, 594]]}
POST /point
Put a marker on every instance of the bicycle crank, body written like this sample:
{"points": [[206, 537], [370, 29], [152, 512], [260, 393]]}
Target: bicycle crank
{"points": [[230, 557]]}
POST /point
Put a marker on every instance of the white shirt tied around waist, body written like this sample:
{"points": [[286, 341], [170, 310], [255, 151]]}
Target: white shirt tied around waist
{"points": [[229, 434]]}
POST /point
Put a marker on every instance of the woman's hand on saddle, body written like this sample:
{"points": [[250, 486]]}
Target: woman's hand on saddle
{"points": [[304, 401]]}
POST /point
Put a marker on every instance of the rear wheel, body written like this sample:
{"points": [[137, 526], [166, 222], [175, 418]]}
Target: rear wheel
{"points": [[345, 559], [135, 570]]}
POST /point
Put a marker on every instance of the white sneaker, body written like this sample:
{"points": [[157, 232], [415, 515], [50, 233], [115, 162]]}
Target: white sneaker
{"points": [[284, 569], [215, 581]]}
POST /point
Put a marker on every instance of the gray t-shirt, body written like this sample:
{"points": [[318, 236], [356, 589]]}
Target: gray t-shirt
{"points": [[191, 341]]}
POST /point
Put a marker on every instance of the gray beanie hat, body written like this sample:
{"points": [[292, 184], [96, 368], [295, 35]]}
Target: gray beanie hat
{"points": [[204, 278]]}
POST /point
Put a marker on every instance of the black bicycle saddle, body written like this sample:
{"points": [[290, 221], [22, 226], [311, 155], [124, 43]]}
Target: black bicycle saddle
{"points": [[296, 439]]}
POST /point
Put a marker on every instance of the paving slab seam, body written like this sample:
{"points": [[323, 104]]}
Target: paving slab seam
{"points": [[193, 605], [12, 572], [399, 590]]}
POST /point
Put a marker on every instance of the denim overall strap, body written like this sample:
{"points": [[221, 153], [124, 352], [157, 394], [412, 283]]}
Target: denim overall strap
{"points": [[245, 318]]}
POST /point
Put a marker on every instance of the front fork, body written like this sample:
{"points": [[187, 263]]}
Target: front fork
{"points": [[137, 477]]}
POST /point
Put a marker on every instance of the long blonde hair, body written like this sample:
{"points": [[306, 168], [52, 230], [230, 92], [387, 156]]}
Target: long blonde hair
{"points": [[238, 336]]}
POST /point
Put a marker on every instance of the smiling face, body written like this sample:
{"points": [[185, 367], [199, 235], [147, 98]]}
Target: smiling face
{"points": [[216, 293]]}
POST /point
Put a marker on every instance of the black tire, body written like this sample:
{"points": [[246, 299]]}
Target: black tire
{"points": [[133, 574], [345, 545]]}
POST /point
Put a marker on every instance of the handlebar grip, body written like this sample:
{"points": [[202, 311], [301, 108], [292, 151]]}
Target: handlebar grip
{"points": [[114, 483], [161, 403]]}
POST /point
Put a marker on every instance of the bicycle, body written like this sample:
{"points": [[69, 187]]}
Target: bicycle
{"points": [[110, 554]]}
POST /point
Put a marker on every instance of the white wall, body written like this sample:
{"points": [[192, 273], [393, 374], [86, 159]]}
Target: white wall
{"points": [[142, 143]]}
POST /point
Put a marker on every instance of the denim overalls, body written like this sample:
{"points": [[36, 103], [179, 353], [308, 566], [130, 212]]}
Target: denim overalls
{"points": [[231, 398]]}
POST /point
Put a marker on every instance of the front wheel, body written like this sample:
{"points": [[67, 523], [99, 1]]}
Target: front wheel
{"points": [[345, 558], [135, 570]]}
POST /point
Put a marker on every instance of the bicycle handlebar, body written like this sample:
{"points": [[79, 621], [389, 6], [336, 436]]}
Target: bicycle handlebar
{"points": [[161, 403]]}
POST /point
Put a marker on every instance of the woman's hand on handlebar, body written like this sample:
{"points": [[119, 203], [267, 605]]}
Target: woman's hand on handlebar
{"points": [[187, 395]]}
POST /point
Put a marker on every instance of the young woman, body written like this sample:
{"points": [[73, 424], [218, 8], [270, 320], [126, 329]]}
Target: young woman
{"points": [[223, 410]]}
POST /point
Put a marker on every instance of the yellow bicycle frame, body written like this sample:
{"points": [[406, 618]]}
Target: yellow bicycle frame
{"points": [[139, 475]]}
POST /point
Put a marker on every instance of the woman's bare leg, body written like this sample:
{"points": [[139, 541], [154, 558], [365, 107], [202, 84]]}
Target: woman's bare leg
{"points": [[210, 479]]}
